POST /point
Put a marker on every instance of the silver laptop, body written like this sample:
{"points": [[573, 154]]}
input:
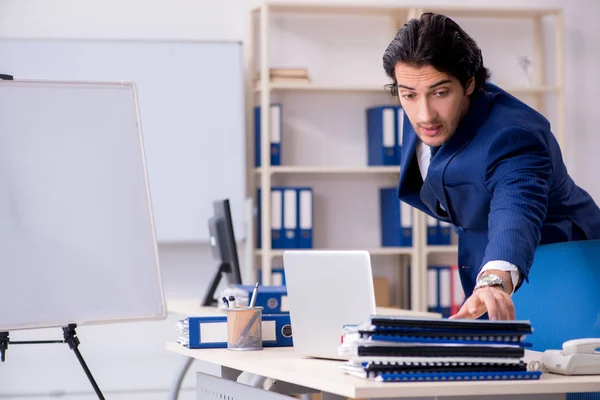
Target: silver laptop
{"points": [[327, 289]]}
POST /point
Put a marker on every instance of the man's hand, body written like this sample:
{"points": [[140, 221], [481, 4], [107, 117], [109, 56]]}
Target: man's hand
{"points": [[492, 299]]}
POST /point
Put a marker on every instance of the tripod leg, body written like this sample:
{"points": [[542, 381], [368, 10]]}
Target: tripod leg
{"points": [[4, 339], [73, 341]]}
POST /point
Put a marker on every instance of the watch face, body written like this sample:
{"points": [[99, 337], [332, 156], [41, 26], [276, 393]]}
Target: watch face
{"points": [[491, 278]]}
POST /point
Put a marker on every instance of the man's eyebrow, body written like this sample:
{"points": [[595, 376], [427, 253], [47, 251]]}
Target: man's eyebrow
{"points": [[430, 87], [440, 83]]}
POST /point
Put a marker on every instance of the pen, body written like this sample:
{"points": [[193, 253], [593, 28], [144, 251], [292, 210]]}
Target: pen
{"points": [[253, 300], [225, 302], [232, 302]]}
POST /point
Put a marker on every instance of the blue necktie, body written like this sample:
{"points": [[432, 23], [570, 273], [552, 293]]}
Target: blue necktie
{"points": [[433, 150]]}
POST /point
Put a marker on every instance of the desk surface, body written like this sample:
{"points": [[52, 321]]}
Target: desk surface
{"points": [[324, 375], [192, 307]]}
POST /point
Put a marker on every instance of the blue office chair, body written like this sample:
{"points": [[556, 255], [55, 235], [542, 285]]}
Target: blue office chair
{"points": [[562, 300]]}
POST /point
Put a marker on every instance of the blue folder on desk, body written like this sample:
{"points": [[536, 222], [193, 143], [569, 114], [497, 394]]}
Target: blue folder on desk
{"points": [[273, 299], [211, 332], [447, 376]]}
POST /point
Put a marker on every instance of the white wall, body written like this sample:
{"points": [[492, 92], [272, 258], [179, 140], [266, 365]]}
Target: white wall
{"points": [[129, 359]]}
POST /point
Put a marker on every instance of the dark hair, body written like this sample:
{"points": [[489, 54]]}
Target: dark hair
{"points": [[436, 40]]}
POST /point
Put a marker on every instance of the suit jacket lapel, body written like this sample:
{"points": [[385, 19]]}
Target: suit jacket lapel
{"points": [[435, 176]]}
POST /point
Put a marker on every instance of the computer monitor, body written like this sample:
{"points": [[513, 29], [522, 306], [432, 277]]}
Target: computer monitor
{"points": [[224, 249]]}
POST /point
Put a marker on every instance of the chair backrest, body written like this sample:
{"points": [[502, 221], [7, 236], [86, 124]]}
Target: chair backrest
{"points": [[562, 298]]}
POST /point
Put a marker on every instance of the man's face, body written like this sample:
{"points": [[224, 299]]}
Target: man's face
{"points": [[433, 101]]}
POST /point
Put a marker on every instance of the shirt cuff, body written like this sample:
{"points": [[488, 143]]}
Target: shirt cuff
{"points": [[503, 266]]}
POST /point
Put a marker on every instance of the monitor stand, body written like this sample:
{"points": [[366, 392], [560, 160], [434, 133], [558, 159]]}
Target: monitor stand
{"points": [[209, 298]]}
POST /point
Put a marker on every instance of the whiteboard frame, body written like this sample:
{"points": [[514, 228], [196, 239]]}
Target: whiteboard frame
{"points": [[162, 314]]}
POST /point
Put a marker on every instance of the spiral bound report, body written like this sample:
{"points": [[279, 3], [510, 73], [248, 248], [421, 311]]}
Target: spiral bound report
{"points": [[458, 376], [400, 349]]}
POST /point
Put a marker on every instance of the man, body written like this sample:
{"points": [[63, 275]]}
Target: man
{"points": [[477, 157]]}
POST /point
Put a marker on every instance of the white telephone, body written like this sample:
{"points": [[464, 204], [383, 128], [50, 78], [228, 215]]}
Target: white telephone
{"points": [[577, 357]]}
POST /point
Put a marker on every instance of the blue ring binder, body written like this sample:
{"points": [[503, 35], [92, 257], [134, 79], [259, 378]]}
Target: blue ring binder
{"points": [[457, 376]]}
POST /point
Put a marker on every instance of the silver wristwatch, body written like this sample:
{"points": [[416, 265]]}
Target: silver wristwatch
{"points": [[491, 280]]}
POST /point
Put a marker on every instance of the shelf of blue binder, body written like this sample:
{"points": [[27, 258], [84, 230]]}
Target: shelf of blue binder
{"points": [[275, 134], [292, 222], [384, 135], [438, 232], [439, 289], [395, 220]]}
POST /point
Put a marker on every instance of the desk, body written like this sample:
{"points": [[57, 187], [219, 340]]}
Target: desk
{"points": [[282, 364], [193, 308], [296, 374]]}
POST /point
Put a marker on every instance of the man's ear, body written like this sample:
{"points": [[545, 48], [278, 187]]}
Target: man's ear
{"points": [[470, 86]]}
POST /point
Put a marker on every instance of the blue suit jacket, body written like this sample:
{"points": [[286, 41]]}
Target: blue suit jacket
{"points": [[503, 182]]}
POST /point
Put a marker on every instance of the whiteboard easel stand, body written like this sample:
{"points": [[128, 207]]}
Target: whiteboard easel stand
{"points": [[69, 334], [70, 337]]}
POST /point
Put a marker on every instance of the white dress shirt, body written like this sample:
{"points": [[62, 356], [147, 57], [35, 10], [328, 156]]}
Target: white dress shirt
{"points": [[423, 159]]}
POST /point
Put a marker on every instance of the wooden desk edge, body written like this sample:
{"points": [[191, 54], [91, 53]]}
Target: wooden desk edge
{"points": [[284, 375], [353, 387]]}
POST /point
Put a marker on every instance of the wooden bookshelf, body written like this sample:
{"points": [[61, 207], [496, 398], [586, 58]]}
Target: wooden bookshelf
{"points": [[261, 32]]}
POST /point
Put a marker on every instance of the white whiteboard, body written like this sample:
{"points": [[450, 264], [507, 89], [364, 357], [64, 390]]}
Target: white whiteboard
{"points": [[77, 241], [191, 97]]}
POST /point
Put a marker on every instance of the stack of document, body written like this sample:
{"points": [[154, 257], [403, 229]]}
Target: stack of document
{"points": [[399, 349], [183, 332]]}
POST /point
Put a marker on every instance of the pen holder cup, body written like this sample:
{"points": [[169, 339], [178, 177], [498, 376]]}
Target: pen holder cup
{"points": [[244, 328]]}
